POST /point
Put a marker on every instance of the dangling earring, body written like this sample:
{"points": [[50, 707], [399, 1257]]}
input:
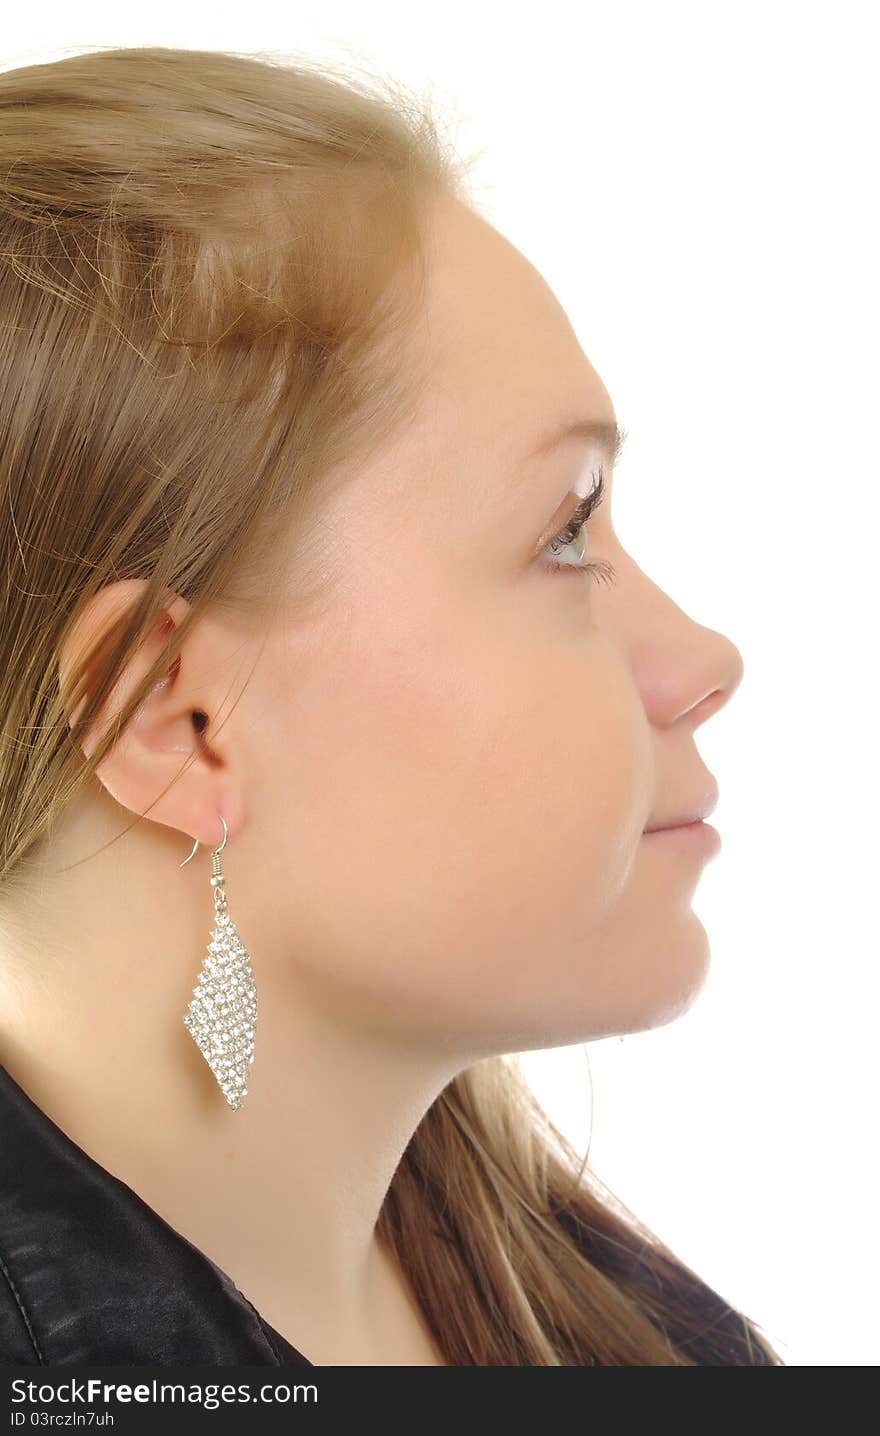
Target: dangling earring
{"points": [[222, 1013]]}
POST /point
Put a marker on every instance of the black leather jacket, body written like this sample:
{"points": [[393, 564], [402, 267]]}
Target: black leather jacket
{"points": [[90, 1274]]}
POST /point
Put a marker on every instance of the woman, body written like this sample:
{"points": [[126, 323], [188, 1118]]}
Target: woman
{"points": [[309, 564]]}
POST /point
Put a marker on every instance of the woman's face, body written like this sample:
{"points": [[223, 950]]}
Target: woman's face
{"points": [[448, 774]]}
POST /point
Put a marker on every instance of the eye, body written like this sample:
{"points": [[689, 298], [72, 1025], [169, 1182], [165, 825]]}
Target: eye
{"points": [[573, 538]]}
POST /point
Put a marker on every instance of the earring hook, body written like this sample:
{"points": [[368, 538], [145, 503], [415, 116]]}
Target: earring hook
{"points": [[217, 850]]}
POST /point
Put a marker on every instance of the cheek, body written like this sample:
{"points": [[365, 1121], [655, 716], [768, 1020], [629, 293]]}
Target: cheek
{"points": [[462, 794]]}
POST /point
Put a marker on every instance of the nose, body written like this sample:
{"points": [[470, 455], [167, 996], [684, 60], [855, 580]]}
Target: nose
{"points": [[685, 671], [724, 662]]}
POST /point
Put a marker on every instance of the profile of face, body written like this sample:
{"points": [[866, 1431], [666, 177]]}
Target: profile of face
{"points": [[437, 791]]}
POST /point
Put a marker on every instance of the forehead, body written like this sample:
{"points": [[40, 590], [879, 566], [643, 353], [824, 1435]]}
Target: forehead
{"points": [[504, 360]]}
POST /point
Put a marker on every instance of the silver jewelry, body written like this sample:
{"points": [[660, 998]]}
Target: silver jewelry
{"points": [[222, 1014]]}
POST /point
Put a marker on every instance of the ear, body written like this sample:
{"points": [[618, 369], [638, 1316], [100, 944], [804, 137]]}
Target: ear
{"points": [[170, 730]]}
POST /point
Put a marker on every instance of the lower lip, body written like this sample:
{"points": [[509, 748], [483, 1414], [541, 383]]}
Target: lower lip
{"points": [[692, 837]]}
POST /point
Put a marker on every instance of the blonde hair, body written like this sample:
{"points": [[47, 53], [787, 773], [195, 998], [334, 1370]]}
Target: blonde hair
{"points": [[208, 265]]}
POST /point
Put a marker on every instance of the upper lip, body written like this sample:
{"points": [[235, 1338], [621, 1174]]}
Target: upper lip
{"points": [[690, 813]]}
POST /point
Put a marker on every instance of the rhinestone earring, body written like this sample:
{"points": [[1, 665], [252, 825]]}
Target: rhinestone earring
{"points": [[222, 1014]]}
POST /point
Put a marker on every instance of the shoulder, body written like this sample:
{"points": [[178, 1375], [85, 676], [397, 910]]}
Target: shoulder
{"points": [[91, 1273], [18, 1344]]}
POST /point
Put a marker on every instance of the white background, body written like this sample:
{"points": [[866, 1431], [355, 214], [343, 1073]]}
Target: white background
{"points": [[698, 183]]}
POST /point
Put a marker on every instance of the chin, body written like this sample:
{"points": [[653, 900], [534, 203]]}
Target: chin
{"points": [[690, 970]]}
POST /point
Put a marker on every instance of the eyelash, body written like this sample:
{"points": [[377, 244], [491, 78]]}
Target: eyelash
{"points": [[597, 570]]}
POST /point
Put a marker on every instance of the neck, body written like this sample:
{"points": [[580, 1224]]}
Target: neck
{"points": [[283, 1194]]}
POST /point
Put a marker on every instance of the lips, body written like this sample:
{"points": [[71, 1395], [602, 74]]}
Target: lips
{"points": [[694, 812]]}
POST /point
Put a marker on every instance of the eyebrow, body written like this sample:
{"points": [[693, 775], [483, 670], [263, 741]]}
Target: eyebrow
{"points": [[605, 433]]}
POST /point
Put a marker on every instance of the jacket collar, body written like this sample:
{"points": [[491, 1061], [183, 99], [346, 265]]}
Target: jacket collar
{"points": [[90, 1273]]}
